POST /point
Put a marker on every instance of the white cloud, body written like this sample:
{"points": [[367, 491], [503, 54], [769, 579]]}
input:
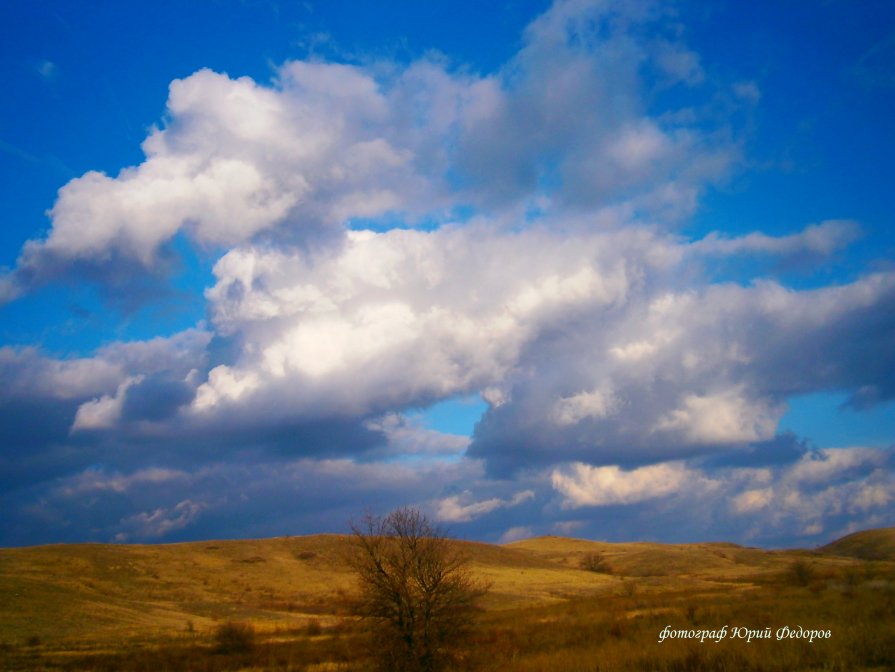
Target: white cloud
{"points": [[394, 318], [823, 239], [774, 502], [680, 372], [585, 485], [224, 382], [161, 521], [570, 110], [27, 372], [820, 487], [594, 404], [460, 508], [726, 417], [105, 411], [237, 159], [752, 500], [875, 496], [825, 464], [294, 161], [93, 481]]}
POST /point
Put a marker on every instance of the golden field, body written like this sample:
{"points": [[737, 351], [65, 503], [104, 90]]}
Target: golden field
{"points": [[554, 604]]}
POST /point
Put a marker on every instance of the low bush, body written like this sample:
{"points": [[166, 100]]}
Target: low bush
{"points": [[801, 572], [233, 637], [595, 562]]}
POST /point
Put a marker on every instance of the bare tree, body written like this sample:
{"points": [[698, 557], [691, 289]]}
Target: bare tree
{"points": [[416, 590], [595, 562]]}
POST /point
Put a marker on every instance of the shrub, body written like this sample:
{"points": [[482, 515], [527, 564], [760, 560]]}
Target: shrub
{"points": [[595, 562], [801, 572], [233, 637]]}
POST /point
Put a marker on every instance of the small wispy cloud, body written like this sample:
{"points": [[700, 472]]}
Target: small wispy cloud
{"points": [[160, 522], [461, 508], [47, 69]]}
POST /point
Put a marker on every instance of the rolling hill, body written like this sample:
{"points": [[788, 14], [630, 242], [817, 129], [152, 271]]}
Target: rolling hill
{"points": [[142, 590], [109, 594], [867, 545]]}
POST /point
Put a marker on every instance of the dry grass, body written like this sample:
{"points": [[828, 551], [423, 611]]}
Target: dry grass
{"points": [[867, 545], [124, 608]]}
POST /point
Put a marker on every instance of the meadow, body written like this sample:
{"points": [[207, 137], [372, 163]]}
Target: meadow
{"points": [[554, 604]]}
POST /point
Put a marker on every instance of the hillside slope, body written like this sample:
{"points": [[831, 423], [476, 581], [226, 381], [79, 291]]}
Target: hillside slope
{"points": [[132, 590], [867, 545], [643, 559], [109, 594]]}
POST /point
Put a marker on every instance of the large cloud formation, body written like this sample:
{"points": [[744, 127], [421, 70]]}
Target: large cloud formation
{"points": [[389, 236]]}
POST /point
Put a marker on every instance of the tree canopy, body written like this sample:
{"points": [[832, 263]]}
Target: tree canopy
{"points": [[416, 589]]}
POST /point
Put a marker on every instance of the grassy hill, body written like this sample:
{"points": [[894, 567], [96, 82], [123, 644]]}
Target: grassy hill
{"points": [[710, 560], [144, 591], [134, 590], [101, 600], [866, 545]]}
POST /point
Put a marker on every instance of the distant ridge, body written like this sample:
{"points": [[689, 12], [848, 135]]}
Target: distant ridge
{"points": [[867, 545]]}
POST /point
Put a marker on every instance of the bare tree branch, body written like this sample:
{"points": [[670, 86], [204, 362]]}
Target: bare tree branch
{"points": [[416, 590]]}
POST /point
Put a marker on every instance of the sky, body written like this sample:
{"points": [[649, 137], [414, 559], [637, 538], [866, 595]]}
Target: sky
{"points": [[604, 269]]}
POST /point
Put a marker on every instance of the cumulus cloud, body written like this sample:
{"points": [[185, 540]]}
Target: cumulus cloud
{"points": [[28, 373], [238, 157], [570, 112], [584, 485], [690, 372], [235, 159], [823, 487], [574, 338], [389, 313], [823, 492], [388, 236], [292, 162], [752, 500], [60, 416], [723, 418], [824, 465], [105, 411], [106, 376], [595, 404]]}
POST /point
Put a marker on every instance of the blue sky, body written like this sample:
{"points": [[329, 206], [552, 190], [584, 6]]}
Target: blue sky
{"points": [[571, 268]]}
